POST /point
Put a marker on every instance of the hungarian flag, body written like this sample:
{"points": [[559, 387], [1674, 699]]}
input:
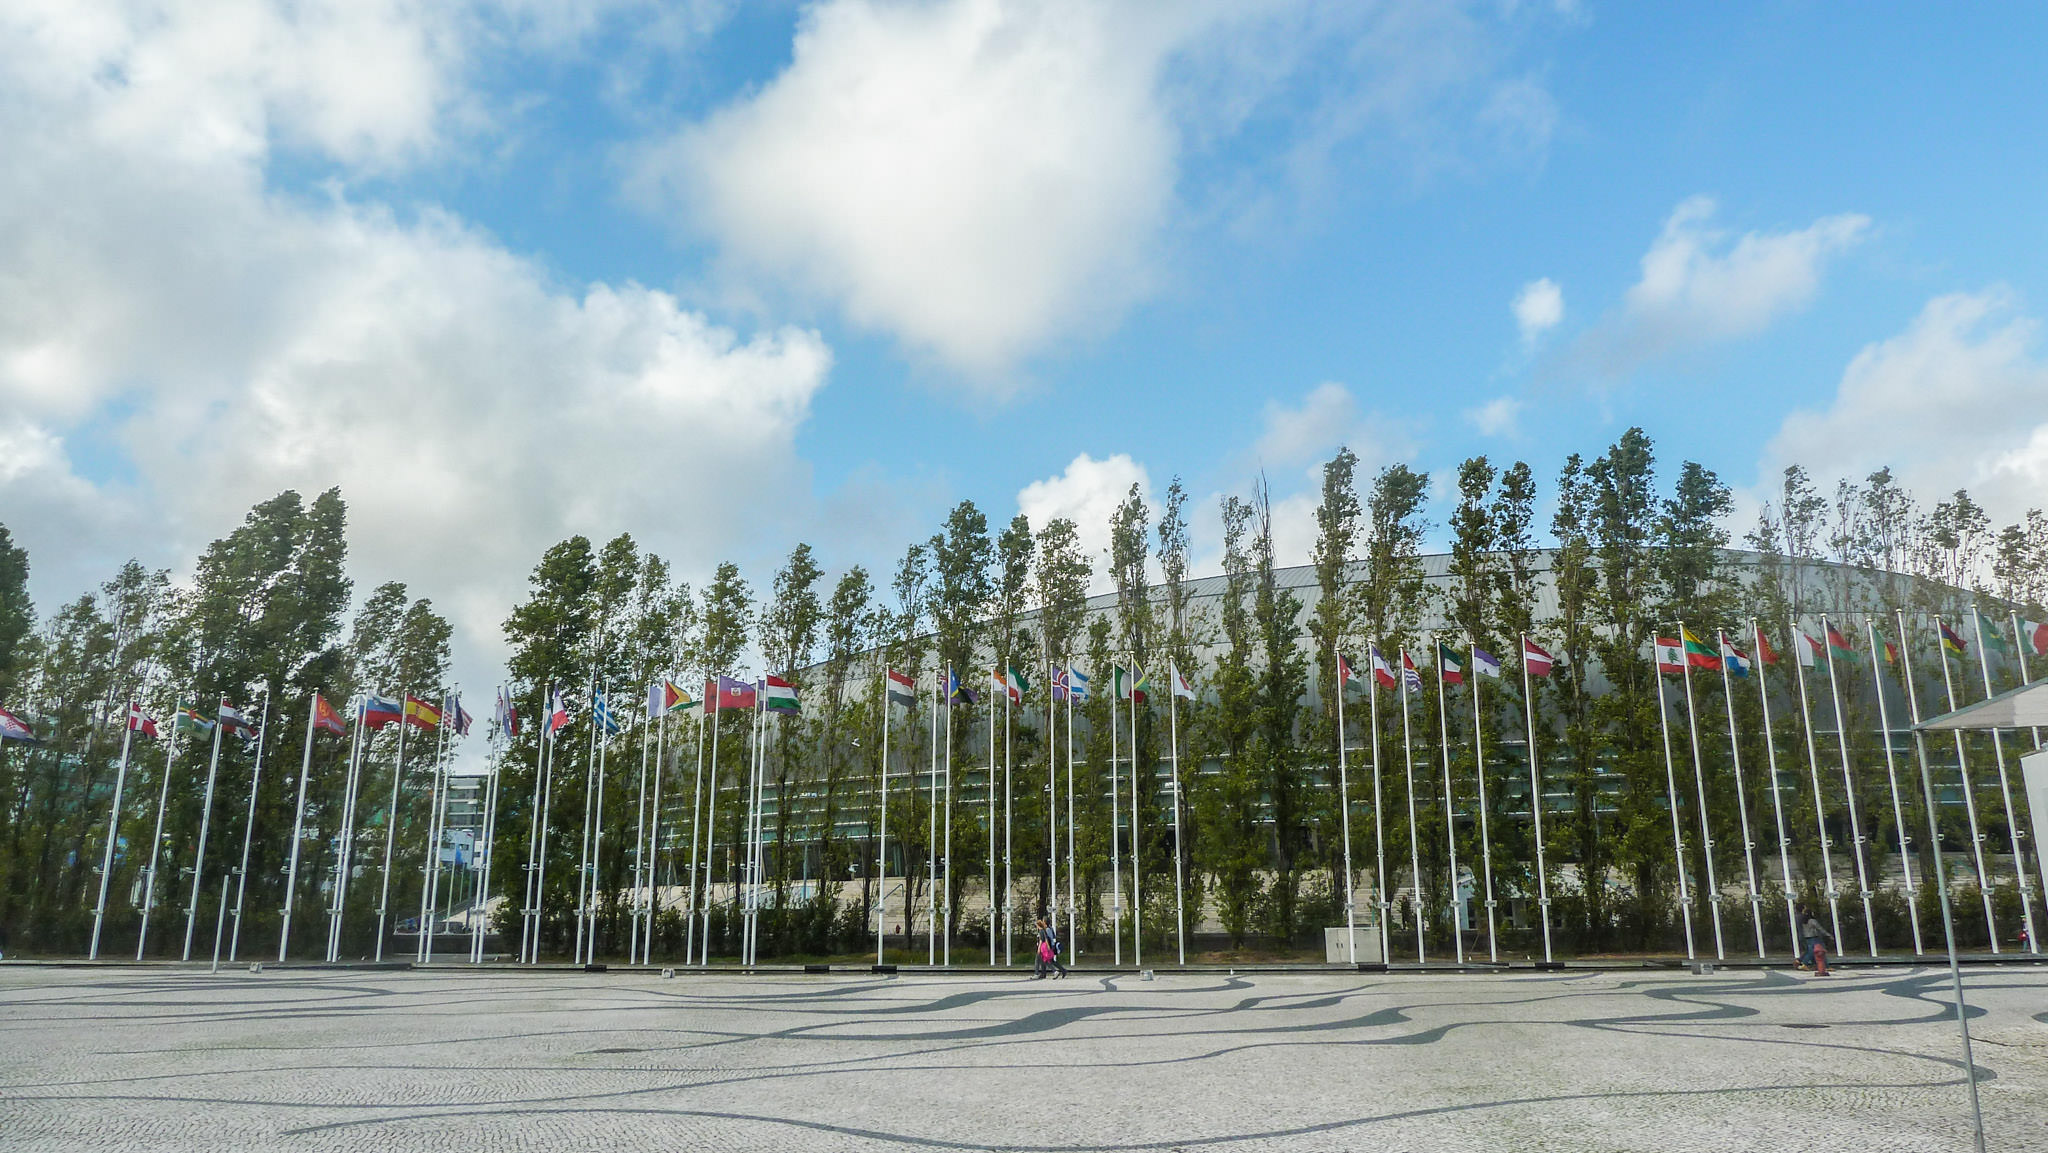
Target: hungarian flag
{"points": [[188, 720], [1950, 641], [1186, 691], [421, 715], [1733, 658], [1670, 656], [1535, 659], [902, 690], [1450, 664], [727, 693], [13, 729], [1344, 673], [1805, 646], [1764, 650], [235, 722], [1697, 654], [139, 721], [380, 711], [1485, 663], [1988, 629], [2035, 636], [1411, 677], [1382, 671], [325, 718], [779, 696], [1839, 647]]}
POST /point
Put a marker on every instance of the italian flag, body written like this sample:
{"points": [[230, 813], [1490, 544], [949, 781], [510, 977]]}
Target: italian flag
{"points": [[779, 696]]}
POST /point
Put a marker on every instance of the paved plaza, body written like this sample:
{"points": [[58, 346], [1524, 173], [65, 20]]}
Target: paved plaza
{"points": [[310, 1059]]}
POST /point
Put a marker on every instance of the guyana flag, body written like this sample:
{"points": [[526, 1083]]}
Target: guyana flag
{"points": [[1697, 652]]}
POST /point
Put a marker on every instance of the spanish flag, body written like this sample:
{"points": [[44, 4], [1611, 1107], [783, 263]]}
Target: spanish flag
{"points": [[421, 715]]}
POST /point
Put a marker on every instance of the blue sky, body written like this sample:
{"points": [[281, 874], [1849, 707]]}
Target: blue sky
{"points": [[732, 275]]}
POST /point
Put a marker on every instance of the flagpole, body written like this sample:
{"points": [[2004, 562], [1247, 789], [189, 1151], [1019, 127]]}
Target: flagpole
{"points": [[544, 740], [1009, 857], [344, 855], [487, 856], [1699, 777], [205, 819], [1802, 647], [2012, 825], [1969, 795], [1443, 717], [639, 839], [654, 829], [1828, 633], [1379, 840], [1479, 772], [291, 872], [1891, 773], [1052, 797], [1671, 792], [248, 832], [391, 820], [1948, 922], [1756, 915], [1414, 841], [882, 843], [1763, 693], [1137, 845], [156, 840], [931, 832], [1536, 801], [758, 759], [946, 906], [437, 809], [989, 806], [1343, 809], [1073, 941], [1116, 867], [99, 911], [715, 698], [1180, 920]]}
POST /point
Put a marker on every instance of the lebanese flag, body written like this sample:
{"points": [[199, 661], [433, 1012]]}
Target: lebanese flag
{"points": [[1535, 659], [1382, 671], [325, 718], [2035, 636], [140, 722], [1670, 656]]}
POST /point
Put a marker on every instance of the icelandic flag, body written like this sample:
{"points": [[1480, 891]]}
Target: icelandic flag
{"points": [[1058, 684]]}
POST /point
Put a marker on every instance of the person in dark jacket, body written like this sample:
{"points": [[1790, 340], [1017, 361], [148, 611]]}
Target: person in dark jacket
{"points": [[1048, 954], [1816, 944]]}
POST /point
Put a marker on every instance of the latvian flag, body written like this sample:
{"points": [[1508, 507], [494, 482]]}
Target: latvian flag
{"points": [[1535, 660], [902, 690], [139, 721], [1382, 671]]}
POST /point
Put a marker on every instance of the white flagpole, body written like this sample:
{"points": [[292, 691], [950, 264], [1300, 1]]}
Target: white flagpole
{"points": [[1414, 841], [2012, 825], [1891, 772], [1948, 924], [156, 840], [1052, 797], [544, 740], [696, 824], [1073, 891], [946, 906], [391, 821], [1801, 653], [1116, 867], [583, 847], [1699, 779], [1536, 802], [1969, 795], [1479, 772], [291, 872], [882, 839], [485, 856], [711, 811], [1381, 905], [1180, 920], [990, 809], [1671, 793], [1756, 915], [1827, 630], [1443, 716], [654, 832], [437, 825], [755, 858], [248, 832], [1009, 859], [1343, 810], [344, 854], [639, 840], [99, 910], [931, 834], [1137, 844], [205, 819], [1763, 694]]}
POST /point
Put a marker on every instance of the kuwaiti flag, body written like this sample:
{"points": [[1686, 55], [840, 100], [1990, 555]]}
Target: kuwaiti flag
{"points": [[1186, 691], [902, 689], [1537, 661], [1732, 658], [779, 696], [139, 721], [1670, 656], [235, 722], [325, 719], [380, 711], [2035, 636], [1485, 663], [1450, 664], [12, 728], [1382, 671], [1411, 677]]}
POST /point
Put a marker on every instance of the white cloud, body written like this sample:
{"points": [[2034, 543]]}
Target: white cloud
{"points": [[1500, 416], [1306, 435], [1088, 494], [163, 309], [1538, 308], [1957, 400], [1696, 289]]}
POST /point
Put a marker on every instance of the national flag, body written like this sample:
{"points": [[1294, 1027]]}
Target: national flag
{"points": [[139, 721], [379, 711], [1697, 654], [1382, 671], [1950, 641], [1450, 664], [325, 719], [558, 713], [957, 692], [1485, 663], [1344, 673], [1992, 634], [1535, 659], [1891, 651], [2035, 637], [1056, 684], [12, 728], [508, 715], [458, 718], [1002, 685], [728, 693], [188, 720], [902, 689], [779, 696], [601, 712], [1186, 691], [1020, 687], [1805, 646], [421, 715], [675, 698], [1733, 659], [1839, 647], [1126, 688], [1077, 684], [1411, 677], [1670, 656], [235, 722], [1764, 650]]}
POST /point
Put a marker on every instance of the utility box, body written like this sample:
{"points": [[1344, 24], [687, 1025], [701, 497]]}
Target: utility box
{"points": [[1337, 950]]}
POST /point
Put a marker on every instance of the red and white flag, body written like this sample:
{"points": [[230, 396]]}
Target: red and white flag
{"points": [[1670, 656], [1535, 659], [1382, 671], [2035, 636], [139, 721]]}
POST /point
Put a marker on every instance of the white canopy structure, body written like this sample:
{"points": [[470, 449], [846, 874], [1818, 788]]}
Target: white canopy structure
{"points": [[2021, 708]]}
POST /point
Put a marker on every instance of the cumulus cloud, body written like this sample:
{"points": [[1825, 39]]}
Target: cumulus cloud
{"points": [[1698, 289], [1957, 400], [1538, 308], [1500, 416], [164, 309], [1087, 493], [1303, 436]]}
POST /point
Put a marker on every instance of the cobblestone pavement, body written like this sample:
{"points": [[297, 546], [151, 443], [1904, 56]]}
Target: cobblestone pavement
{"points": [[500, 1060]]}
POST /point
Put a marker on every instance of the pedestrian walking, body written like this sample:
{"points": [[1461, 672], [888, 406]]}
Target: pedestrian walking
{"points": [[1817, 941], [1048, 956]]}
